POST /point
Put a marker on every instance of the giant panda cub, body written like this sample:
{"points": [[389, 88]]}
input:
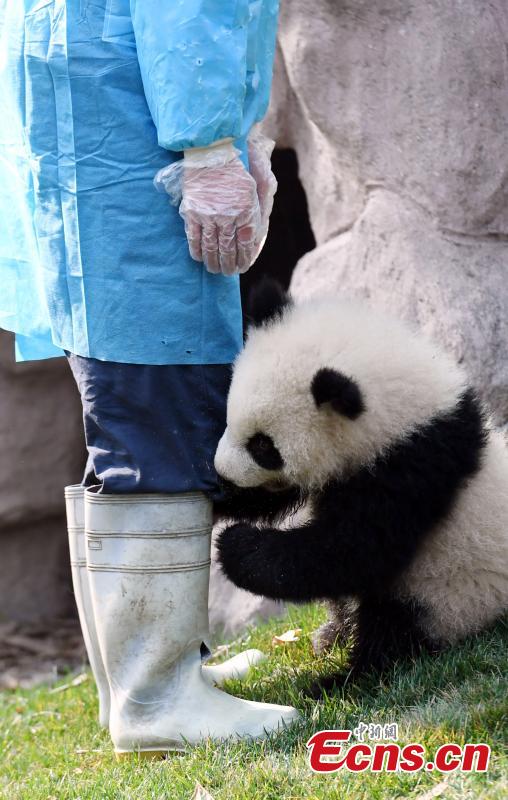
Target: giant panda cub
{"points": [[406, 486]]}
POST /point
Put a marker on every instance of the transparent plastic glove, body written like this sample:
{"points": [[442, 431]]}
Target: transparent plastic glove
{"points": [[260, 167], [219, 206]]}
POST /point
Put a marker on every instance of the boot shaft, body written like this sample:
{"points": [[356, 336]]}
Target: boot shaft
{"points": [[148, 564], [75, 509], [75, 512]]}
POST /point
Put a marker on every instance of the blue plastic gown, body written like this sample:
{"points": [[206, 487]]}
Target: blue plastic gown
{"points": [[96, 96]]}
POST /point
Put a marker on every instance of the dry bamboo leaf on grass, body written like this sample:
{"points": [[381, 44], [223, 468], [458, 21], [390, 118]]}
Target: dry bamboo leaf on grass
{"points": [[200, 793], [436, 791], [78, 680], [288, 637]]}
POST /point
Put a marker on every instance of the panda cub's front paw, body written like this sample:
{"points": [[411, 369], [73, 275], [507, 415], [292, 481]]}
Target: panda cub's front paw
{"points": [[238, 548]]}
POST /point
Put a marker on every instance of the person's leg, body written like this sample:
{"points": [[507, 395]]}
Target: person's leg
{"points": [[151, 434], [151, 428]]}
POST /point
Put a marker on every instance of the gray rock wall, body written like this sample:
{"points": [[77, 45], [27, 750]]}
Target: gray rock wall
{"points": [[42, 450], [398, 112]]}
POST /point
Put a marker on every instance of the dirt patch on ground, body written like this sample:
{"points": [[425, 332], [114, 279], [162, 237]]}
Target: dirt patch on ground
{"points": [[40, 652]]}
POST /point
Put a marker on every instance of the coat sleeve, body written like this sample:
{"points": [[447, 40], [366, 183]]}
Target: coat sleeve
{"points": [[193, 61]]}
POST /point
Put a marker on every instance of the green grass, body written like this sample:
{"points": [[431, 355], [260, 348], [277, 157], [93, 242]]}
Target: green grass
{"points": [[52, 747]]}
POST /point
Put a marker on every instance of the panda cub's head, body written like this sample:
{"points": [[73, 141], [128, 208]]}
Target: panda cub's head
{"points": [[322, 388]]}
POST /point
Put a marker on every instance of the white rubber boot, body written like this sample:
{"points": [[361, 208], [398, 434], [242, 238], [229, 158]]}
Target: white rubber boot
{"points": [[217, 674], [75, 507], [148, 564]]}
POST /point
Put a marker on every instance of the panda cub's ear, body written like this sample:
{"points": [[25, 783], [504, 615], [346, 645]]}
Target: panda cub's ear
{"points": [[331, 386], [267, 300]]}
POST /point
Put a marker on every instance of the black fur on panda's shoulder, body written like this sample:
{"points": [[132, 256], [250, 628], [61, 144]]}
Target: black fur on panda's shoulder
{"points": [[267, 301], [405, 493], [430, 464]]}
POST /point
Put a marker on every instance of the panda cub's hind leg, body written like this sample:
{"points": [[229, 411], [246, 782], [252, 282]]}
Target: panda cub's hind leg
{"points": [[386, 631], [338, 628], [389, 630]]}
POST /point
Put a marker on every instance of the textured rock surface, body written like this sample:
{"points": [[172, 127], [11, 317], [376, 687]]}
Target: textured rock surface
{"points": [[35, 581], [398, 113], [42, 450]]}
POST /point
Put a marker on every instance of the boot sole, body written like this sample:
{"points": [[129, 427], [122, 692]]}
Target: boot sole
{"points": [[179, 747], [148, 755]]}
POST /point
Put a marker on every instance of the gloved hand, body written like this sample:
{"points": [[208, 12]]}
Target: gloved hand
{"points": [[220, 206], [260, 167]]}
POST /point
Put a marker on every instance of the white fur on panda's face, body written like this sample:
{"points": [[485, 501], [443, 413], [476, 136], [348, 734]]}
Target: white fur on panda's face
{"points": [[401, 378]]}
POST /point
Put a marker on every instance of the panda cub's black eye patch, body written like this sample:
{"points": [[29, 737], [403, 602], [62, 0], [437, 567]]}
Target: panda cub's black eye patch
{"points": [[263, 451]]}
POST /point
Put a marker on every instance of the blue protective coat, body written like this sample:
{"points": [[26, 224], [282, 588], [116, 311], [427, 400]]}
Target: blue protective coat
{"points": [[96, 96]]}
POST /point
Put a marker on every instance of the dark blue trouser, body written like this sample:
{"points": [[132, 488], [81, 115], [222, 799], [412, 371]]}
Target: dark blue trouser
{"points": [[151, 428]]}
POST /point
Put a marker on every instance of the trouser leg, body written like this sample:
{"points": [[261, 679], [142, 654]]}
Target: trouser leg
{"points": [[152, 428]]}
